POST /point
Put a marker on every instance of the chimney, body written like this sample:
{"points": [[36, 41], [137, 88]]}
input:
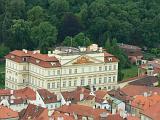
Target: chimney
{"points": [[145, 94], [60, 118], [36, 51], [103, 116], [11, 92], [24, 50]]}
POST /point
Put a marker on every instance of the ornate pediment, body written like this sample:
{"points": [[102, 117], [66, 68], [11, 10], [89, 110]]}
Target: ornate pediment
{"points": [[82, 60]]}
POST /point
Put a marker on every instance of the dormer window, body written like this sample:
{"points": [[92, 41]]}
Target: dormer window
{"points": [[24, 59], [110, 59], [53, 63], [37, 61], [12, 56]]}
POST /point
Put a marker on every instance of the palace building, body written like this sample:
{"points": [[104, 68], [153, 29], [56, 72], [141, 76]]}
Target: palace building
{"points": [[63, 69]]}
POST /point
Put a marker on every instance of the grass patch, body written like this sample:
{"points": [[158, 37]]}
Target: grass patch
{"points": [[130, 72]]}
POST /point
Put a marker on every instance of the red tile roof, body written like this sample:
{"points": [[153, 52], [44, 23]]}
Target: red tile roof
{"points": [[57, 115], [74, 96], [101, 93], [81, 110], [144, 102], [4, 92], [33, 112], [47, 96], [25, 93], [133, 90], [153, 112], [107, 56], [7, 113], [114, 117], [132, 118], [32, 57]]}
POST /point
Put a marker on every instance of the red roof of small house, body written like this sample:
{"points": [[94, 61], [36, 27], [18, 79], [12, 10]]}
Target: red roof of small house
{"points": [[101, 93], [4, 92], [25, 93], [144, 102], [33, 112], [132, 118], [81, 110], [114, 117], [109, 58], [57, 115], [47, 96], [74, 96], [133, 90], [153, 111], [7, 113]]}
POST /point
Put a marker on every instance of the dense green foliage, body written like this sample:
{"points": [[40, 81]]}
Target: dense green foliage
{"points": [[39, 24], [111, 47]]}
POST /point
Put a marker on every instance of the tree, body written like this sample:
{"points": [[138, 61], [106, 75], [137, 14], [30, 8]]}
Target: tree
{"points": [[78, 40], [3, 50], [36, 15], [71, 26], [20, 34], [111, 47], [58, 7], [44, 35]]}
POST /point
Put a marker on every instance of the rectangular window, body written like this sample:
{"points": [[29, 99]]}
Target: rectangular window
{"points": [[75, 82], [89, 81], [64, 83], [24, 67], [105, 79], [105, 68], [100, 80], [100, 68], [49, 73], [53, 85], [90, 69], [94, 80], [75, 71], [114, 78], [58, 84], [109, 87], [110, 67], [58, 72], [82, 81], [70, 71], [115, 67], [82, 70], [69, 83], [109, 79], [48, 85]]}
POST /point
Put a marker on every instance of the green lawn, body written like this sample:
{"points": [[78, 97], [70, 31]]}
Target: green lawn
{"points": [[130, 72], [2, 74]]}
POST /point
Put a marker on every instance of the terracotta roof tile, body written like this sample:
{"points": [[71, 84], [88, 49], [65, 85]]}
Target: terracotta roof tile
{"points": [[81, 110], [101, 93], [133, 90], [114, 117], [47, 96], [7, 113], [57, 115], [4, 92], [42, 60], [144, 102], [33, 112], [74, 96], [25, 93], [153, 111]]}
